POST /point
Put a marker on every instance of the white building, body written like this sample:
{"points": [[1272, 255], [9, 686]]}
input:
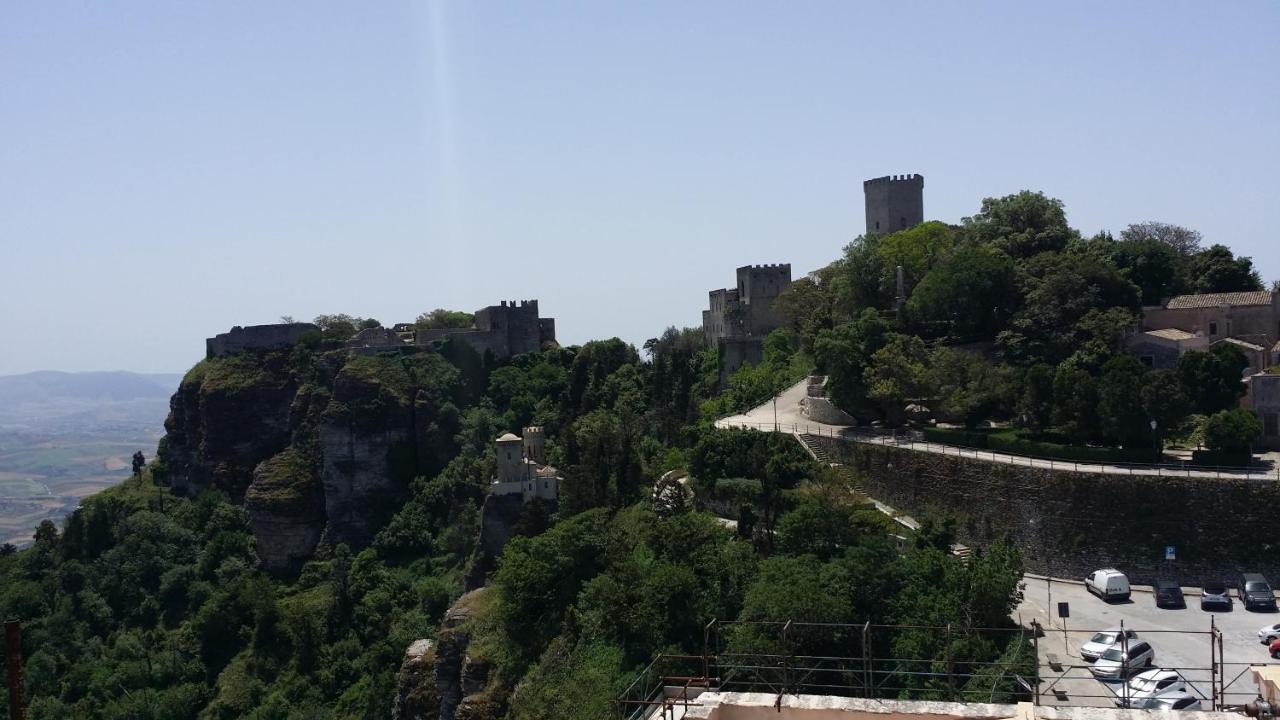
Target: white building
{"points": [[521, 468]]}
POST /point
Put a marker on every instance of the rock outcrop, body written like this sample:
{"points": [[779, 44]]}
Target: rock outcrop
{"points": [[320, 446], [439, 680]]}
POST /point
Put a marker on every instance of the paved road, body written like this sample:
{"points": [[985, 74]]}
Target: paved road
{"points": [[784, 416], [1180, 639]]}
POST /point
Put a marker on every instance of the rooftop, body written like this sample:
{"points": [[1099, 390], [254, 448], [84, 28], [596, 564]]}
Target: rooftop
{"points": [[508, 437], [1208, 300], [1171, 334]]}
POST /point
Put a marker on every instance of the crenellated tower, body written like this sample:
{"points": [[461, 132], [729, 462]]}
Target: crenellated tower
{"points": [[894, 202]]}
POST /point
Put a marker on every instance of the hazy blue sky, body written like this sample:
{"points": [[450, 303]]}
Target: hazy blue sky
{"points": [[170, 169]]}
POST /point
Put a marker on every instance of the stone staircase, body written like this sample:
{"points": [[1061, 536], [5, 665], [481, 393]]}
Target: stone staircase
{"points": [[816, 448]]}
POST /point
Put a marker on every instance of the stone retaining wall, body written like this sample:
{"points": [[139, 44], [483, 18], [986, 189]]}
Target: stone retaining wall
{"points": [[1068, 524]]}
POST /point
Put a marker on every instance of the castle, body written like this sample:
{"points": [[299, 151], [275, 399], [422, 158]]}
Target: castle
{"points": [[522, 468], [504, 330], [739, 318], [894, 202]]}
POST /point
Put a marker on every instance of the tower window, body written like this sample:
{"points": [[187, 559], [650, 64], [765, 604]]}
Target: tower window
{"points": [[877, 224], [1213, 328]]}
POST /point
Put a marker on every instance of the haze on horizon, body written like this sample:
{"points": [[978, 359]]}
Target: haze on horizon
{"points": [[173, 169]]}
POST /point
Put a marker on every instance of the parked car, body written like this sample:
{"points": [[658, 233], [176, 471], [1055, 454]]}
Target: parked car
{"points": [[1255, 592], [1108, 584], [1214, 594], [1269, 633], [1118, 662], [1168, 594], [1149, 684], [1172, 701], [1274, 649], [1104, 641]]}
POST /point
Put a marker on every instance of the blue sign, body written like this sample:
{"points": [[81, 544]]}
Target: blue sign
{"points": [[1170, 553]]}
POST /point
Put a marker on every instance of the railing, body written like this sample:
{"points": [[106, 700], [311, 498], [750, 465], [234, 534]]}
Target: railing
{"points": [[858, 660], [913, 440]]}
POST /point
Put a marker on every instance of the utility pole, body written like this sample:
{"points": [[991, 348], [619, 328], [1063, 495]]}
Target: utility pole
{"points": [[13, 652]]}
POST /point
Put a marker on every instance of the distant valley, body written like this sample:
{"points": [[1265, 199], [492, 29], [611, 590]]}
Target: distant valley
{"points": [[67, 435]]}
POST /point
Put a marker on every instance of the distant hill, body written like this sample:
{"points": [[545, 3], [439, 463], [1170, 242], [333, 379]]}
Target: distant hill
{"points": [[48, 385]]}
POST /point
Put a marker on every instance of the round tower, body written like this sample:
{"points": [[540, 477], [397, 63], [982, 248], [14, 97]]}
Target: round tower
{"points": [[535, 444], [509, 458]]}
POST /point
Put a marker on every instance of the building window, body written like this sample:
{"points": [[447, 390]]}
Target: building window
{"points": [[877, 224], [1213, 328], [1148, 360], [1228, 327], [903, 222]]}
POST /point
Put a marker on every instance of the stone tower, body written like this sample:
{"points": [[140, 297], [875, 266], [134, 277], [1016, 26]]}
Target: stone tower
{"points": [[535, 444], [894, 202], [510, 458]]}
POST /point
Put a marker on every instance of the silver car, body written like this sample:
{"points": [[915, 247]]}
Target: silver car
{"points": [[1119, 663], [1172, 701], [1150, 684], [1102, 641]]}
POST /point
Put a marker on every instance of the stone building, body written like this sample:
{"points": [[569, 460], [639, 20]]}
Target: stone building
{"points": [[1160, 349], [738, 319], [505, 330], [256, 337], [894, 202], [1263, 398], [1248, 320], [522, 468]]}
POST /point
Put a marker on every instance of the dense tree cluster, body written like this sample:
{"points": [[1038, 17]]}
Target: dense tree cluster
{"points": [[1013, 315]]}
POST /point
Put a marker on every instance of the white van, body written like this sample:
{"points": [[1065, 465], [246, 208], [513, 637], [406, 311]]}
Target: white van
{"points": [[1108, 584]]}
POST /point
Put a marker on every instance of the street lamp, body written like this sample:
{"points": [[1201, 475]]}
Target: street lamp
{"points": [[1155, 438]]}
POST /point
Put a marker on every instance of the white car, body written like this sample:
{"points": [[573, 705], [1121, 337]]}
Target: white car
{"points": [[1150, 684], [1102, 641], [1172, 701], [1117, 662], [1268, 633]]}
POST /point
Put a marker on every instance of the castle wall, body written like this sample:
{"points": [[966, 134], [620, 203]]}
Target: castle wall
{"points": [[257, 337], [1068, 524], [736, 352], [1264, 399], [893, 203]]}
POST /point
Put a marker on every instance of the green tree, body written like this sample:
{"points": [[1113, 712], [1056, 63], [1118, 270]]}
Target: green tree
{"points": [[969, 388], [1022, 225], [1075, 399], [1217, 270], [441, 318], [1232, 431], [1156, 267], [842, 353], [1183, 241], [896, 373], [1165, 401], [1212, 378], [972, 292], [1035, 402], [1123, 417]]}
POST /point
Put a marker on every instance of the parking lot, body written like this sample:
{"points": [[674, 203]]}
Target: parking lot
{"points": [[1181, 639]]}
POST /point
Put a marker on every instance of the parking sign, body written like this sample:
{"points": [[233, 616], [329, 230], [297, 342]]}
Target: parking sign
{"points": [[1170, 553]]}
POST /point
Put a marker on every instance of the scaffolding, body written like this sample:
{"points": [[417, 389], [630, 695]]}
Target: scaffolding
{"points": [[798, 658]]}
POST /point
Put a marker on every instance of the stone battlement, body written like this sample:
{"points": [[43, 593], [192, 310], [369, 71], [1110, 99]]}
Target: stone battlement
{"points": [[256, 337], [908, 178]]}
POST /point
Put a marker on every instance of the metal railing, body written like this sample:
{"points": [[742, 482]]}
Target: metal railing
{"points": [[913, 440], [850, 660]]}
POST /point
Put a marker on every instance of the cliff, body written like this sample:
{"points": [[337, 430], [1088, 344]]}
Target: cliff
{"points": [[319, 446], [447, 678]]}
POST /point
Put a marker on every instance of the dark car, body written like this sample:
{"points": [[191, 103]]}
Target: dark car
{"points": [[1168, 593], [1255, 592], [1215, 595]]}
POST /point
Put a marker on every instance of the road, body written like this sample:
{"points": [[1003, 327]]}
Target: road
{"points": [[784, 416], [1181, 639]]}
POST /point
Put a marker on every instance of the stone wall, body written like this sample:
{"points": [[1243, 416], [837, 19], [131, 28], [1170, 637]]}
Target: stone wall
{"points": [[820, 409], [738, 352], [1068, 524], [256, 337]]}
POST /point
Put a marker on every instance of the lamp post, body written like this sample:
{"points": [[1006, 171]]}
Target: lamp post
{"points": [[775, 413], [1155, 439]]}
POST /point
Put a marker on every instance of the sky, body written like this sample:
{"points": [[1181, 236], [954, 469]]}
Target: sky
{"points": [[169, 170]]}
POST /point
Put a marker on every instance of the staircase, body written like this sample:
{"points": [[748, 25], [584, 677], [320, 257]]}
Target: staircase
{"points": [[816, 448]]}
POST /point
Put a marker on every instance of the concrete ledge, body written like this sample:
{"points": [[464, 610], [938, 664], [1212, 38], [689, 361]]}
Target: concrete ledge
{"points": [[764, 706]]}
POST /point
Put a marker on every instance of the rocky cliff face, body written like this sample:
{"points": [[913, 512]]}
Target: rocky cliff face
{"points": [[440, 679], [321, 447]]}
